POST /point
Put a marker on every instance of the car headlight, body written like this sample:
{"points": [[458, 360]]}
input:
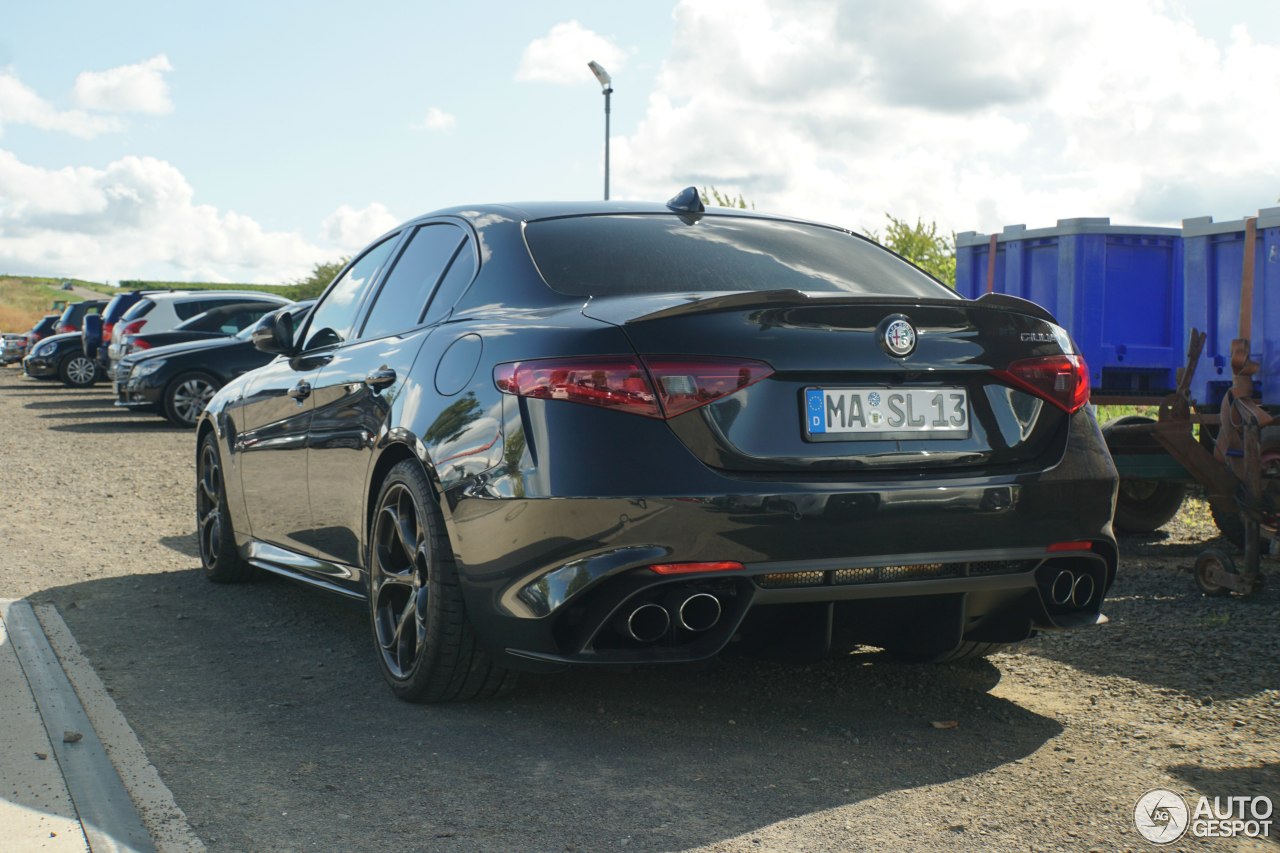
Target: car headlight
{"points": [[44, 349], [146, 368]]}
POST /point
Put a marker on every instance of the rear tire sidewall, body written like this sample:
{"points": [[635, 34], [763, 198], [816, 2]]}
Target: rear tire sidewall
{"points": [[423, 681], [226, 565]]}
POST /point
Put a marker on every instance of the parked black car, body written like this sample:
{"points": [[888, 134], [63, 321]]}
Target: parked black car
{"points": [[61, 357], [41, 330], [176, 381], [73, 315], [614, 433]]}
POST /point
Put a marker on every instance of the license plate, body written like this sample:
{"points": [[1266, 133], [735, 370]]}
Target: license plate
{"points": [[888, 413]]}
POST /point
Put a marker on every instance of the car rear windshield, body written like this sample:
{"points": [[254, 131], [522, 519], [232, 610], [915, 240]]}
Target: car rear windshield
{"points": [[116, 308], [646, 253], [140, 309]]}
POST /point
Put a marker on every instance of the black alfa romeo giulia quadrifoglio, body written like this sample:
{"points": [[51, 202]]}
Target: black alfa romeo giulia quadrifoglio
{"points": [[539, 435]]}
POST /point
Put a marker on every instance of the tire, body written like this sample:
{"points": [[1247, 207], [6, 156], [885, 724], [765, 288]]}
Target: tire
{"points": [[219, 556], [424, 642], [1226, 515], [77, 370], [1204, 563], [186, 396], [1143, 506]]}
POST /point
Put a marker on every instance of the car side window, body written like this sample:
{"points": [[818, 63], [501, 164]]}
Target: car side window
{"points": [[407, 288], [461, 270], [186, 309], [333, 317]]}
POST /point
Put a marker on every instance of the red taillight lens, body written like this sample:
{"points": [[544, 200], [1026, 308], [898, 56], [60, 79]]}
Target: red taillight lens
{"points": [[140, 343], [63, 328], [685, 384], [106, 330], [1061, 379], [627, 383], [1057, 547], [132, 328], [612, 382], [693, 568]]}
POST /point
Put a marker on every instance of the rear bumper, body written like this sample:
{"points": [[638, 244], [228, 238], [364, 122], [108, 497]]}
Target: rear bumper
{"points": [[548, 579]]}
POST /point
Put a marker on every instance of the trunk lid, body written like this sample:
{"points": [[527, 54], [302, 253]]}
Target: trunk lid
{"points": [[818, 344]]}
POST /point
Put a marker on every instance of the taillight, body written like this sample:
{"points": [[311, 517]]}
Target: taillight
{"points": [[106, 330], [140, 343], [63, 328], [628, 383], [132, 328], [1061, 379]]}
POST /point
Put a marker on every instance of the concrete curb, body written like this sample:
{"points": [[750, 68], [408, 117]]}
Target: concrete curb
{"points": [[69, 697]]}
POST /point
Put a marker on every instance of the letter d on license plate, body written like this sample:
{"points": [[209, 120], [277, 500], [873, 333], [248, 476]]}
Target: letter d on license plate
{"points": [[887, 413]]}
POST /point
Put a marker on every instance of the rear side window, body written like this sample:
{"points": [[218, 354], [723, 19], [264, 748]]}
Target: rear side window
{"points": [[406, 289], [638, 254], [186, 309], [141, 308]]}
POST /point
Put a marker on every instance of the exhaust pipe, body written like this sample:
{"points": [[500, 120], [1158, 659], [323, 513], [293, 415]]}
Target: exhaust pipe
{"points": [[1060, 591], [647, 623], [1082, 591], [698, 612]]}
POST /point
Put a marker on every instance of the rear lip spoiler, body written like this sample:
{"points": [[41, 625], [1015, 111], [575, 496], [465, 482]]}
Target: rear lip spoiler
{"points": [[798, 298]]}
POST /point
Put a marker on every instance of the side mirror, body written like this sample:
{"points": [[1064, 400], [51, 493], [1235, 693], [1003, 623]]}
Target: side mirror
{"points": [[275, 334]]}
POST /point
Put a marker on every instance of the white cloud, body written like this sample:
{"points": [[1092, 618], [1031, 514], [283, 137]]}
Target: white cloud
{"points": [[561, 56], [972, 113], [135, 218], [349, 229], [138, 88], [20, 105], [437, 119]]}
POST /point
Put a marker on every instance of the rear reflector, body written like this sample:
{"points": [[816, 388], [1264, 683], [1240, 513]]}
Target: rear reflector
{"points": [[628, 383], [1061, 379], [693, 568], [1069, 546]]}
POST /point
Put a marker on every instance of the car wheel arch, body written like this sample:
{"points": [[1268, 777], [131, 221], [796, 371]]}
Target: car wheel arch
{"points": [[391, 455]]}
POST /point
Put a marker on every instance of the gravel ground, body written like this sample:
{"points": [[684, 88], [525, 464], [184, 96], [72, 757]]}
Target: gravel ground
{"points": [[261, 707]]}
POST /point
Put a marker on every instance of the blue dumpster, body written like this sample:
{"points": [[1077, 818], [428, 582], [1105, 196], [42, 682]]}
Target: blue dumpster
{"points": [[1116, 289], [1214, 254]]}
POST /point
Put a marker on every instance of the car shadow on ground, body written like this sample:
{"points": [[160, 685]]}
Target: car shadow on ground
{"points": [[76, 402], [133, 424], [1162, 619], [1260, 780], [261, 705]]}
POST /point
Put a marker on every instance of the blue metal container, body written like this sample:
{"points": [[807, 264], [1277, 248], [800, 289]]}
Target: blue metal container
{"points": [[1214, 253], [1116, 289]]}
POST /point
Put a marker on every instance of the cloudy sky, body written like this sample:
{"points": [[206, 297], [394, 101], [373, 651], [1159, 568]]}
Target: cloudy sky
{"points": [[247, 141]]}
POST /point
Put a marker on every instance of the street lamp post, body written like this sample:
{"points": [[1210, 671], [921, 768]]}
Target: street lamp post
{"points": [[606, 86]]}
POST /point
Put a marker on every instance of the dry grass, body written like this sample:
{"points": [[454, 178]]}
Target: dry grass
{"points": [[22, 303]]}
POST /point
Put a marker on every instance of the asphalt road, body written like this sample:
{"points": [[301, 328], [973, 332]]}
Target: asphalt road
{"points": [[261, 707]]}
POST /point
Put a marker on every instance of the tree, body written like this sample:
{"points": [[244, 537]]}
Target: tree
{"points": [[315, 283], [922, 245], [714, 195]]}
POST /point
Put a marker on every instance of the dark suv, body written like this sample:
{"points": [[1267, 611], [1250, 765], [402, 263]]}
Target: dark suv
{"points": [[73, 315]]}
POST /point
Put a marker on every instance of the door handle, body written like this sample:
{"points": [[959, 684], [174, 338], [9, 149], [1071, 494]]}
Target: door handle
{"points": [[301, 391], [381, 378]]}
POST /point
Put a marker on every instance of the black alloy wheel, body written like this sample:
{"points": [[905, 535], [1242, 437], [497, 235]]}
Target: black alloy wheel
{"points": [[425, 644], [186, 397], [77, 371], [218, 553]]}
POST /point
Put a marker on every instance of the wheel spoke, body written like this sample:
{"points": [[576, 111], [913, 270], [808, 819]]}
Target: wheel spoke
{"points": [[407, 528]]}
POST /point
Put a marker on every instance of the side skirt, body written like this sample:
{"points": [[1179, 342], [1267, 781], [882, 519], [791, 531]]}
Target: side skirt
{"points": [[322, 574]]}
